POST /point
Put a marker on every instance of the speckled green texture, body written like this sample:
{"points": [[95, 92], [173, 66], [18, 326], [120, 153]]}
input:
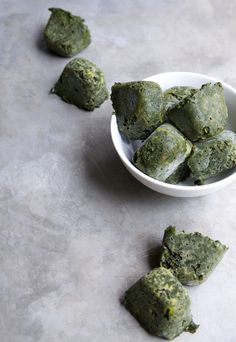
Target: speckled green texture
{"points": [[190, 256], [213, 156], [181, 173], [161, 304], [201, 115], [82, 83], [173, 96], [162, 153], [66, 34], [138, 107]]}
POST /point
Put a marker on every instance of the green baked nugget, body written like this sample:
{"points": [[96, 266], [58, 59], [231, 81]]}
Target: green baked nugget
{"points": [[164, 151], [82, 83], [66, 34], [138, 107], [201, 115], [173, 96], [161, 304], [190, 256], [213, 156]]}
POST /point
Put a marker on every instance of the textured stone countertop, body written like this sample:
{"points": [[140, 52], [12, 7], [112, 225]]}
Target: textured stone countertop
{"points": [[76, 229]]}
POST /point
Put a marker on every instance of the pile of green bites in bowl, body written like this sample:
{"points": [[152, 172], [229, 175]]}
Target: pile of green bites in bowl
{"points": [[183, 130]]}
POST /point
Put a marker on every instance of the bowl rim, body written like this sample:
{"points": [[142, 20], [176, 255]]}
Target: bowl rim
{"points": [[188, 188]]}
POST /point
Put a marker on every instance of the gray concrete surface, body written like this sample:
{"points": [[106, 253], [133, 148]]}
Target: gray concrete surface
{"points": [[76, 229]]}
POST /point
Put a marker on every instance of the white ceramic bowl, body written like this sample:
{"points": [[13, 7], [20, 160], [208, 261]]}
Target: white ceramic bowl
{"points": [[126, 148]]}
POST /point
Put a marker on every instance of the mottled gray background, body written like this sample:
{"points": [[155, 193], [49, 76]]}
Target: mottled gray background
{"points": [[76, 229]]}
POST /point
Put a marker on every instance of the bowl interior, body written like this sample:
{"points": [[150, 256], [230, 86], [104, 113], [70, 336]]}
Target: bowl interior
{"points": [[126, 148]]}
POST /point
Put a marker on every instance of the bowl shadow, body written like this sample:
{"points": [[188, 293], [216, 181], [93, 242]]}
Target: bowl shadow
{"points": [[154, 254], [106, 173]]}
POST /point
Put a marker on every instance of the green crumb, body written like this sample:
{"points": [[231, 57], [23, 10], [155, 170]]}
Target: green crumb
{"points": [[66, 34], [213, 156], [202, 114], [162, 155], [190, 256], [82, 83], [138, 107], [161, 304], [173, 96]]}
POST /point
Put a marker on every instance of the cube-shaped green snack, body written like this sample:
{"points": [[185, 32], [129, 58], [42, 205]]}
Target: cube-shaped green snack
{"points": [[82, 83], [164, 151], [66, 34], [173, 96], [211, 157], [138, 107], [161, 304], [202, 114], [190, 256]]}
